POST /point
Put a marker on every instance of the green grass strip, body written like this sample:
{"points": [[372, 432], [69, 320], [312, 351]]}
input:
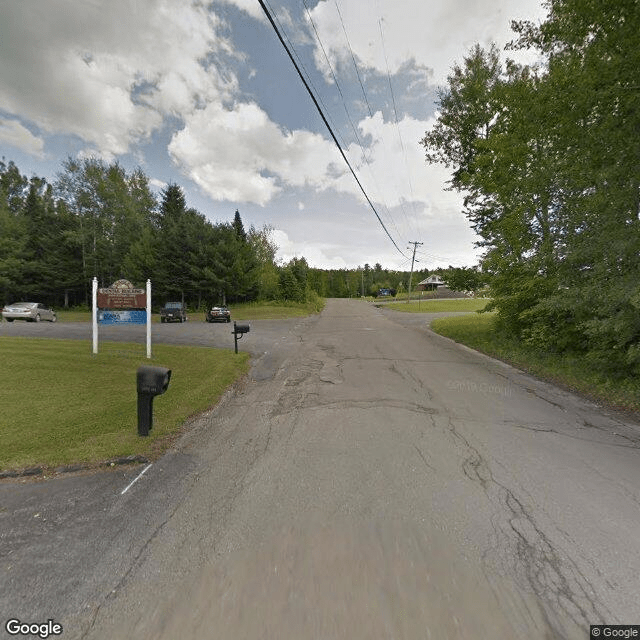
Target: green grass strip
{"points": [[275, 310], [62, 405], [433, 306], [572, 372]]}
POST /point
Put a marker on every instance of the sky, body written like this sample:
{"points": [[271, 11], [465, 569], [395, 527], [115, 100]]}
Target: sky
{"points": [[203, 94]]}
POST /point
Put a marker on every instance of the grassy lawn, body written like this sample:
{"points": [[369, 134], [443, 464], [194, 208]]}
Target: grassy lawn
{"points": [[431, 305], [61, 404], [572, 372], [73, 316], [272, 310]]}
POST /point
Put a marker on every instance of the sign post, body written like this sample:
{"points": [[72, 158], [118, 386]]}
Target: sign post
{"points": [[148, 318], [94, 314]]}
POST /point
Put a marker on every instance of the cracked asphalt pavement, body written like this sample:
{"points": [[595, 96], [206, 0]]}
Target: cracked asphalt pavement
{"points": [[370, 479]]}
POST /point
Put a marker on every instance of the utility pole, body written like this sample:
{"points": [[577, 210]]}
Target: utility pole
{"points": [[415, 246]]}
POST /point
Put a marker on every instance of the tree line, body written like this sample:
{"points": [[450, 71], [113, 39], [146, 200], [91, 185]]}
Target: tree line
{"points": [[97, 219], [548, 159]]}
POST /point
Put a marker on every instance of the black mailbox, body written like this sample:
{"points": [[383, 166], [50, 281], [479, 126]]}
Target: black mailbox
{"points": [[238, 331], [152, 381]]}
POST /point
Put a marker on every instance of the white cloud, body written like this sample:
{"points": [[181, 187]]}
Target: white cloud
{"points": [[14, 134], [286, 248], [159, 185], [240, 155], [315, 253], [337, 232], [101, 152], [434, 34], [396, 176], [344, 237], [108, 72]]}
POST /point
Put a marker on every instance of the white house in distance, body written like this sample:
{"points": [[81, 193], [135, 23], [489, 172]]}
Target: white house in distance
{"points": [[436, 284], [432, 283], [439, 289]]}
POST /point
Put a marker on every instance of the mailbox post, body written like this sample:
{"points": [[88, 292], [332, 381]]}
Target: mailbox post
{"points": [[151, 382], [239, 330]]}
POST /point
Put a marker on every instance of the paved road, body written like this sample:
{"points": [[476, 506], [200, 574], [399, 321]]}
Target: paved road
{"points": [[374, 481]]}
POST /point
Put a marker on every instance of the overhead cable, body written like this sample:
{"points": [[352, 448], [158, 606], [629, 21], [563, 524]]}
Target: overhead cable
{"points": [[353, 58], [366, 99], [366, 160], [395, 113], [324, 119], [307, 74], [333, 75]]}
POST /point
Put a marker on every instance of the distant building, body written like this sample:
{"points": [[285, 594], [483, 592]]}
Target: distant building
{"points": [[439, 289], [432, 283]]}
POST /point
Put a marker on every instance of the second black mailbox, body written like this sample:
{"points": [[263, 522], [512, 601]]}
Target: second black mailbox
{"points": [[151, 382], [238, 331]]}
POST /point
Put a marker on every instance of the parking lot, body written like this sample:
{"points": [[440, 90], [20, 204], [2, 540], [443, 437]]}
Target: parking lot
{"points": [[266, 341]]}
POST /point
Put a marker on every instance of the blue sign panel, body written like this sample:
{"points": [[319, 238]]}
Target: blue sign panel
{"points": [[131, 316]]}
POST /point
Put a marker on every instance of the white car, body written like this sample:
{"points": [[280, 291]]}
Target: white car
{"points": [[30, 311]]}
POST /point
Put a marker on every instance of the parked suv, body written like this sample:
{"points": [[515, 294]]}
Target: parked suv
{"points": [[173, 312]]}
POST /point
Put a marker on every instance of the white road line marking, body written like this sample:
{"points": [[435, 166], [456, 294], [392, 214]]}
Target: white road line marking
{"points": [[135, 480]]}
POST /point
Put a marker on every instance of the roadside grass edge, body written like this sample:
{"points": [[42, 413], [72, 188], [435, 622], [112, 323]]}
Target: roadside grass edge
{"points": [[437, 305], [65, 407], [570, 372]]}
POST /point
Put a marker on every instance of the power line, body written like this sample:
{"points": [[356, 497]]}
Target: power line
{"points": [[324, 119], [307, 74], [367, 160], [395, 113], [434, 256], [364, 93], [333, 75]]}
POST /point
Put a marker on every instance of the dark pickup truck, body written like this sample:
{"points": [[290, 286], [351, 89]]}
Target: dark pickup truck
{"points": [[173, 312]]}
